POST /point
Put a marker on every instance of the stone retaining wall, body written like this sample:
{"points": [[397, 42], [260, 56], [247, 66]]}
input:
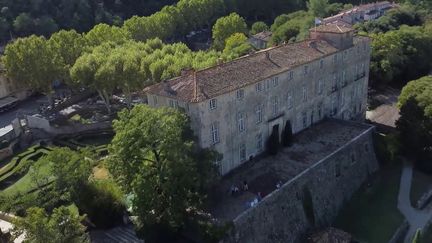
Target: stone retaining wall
{"points": [[310, 200]]}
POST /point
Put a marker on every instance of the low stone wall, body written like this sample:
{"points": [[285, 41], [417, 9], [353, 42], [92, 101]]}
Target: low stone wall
{"points": [[424, 200], [43, 124], [310, 200], [400, 233]]}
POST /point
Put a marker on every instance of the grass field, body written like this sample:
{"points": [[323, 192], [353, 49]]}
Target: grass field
{"points": [[372, 215], [421, 183]]}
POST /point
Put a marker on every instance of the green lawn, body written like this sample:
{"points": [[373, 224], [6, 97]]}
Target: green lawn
{"points": [[26, 183], [421, 184], [372, 215]]}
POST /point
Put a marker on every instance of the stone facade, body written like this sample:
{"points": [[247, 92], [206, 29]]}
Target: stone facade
{"points": [[238, 122], [310, 200]]}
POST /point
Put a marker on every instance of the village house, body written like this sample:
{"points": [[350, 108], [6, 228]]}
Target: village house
{"points": [[360, 13], [235, 106], [260, 40]]}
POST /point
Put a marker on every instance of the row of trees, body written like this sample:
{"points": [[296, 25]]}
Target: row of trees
{"points": [[107, 59]]}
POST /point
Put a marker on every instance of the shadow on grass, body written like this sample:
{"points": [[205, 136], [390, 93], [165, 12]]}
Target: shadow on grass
{"points": [[372, 215]]}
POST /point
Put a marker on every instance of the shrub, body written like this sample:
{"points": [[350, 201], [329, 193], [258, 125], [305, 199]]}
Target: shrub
{"points": [[287, 135], [102, 201], [273, 143]]}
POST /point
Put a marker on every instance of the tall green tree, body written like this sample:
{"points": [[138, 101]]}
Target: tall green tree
{"points": [[154, 158], [225, 27], [32, 63], [258, 27], [67, 47], [92, 71], [236, 46], [62, 225], [415, 122], [318, 7]]}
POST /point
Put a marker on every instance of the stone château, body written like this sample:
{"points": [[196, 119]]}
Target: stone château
{"points": [[235, 106]]}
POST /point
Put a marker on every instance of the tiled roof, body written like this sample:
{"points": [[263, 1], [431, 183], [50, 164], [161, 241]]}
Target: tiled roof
{"points": [[332, 28], [197, 86], [264, 35]]}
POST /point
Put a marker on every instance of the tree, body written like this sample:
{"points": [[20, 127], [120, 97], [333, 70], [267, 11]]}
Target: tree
{"points": [[91, 70], [103, 33], [258, 27], [225, 27], [287, 135], [318, 7], [32, 63], [71, 170], [63, 225], [24, 24], [395, 55], [67, 46], [273, 142], [154, 158], [415, 122], [235, 46]]}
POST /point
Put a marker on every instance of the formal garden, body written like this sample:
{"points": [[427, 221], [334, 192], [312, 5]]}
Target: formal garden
{"points": [[32, 178]]}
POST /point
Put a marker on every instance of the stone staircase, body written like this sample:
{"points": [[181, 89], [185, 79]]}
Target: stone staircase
{"points": [[121, 234]]}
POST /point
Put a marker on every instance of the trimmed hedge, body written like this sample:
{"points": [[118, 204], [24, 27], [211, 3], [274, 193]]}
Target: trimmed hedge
{"points": [[19, 162]]}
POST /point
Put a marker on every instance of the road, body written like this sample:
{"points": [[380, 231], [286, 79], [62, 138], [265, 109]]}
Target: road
{"points": [[416, 218], [28, 107], [387, 113]]}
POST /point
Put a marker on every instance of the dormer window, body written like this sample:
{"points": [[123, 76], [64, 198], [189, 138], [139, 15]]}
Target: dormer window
{"points": [[275, 81], [240, 94], [213, 104]]}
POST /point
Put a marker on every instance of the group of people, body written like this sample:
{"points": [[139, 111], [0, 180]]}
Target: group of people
{"points": [[235, 189]]}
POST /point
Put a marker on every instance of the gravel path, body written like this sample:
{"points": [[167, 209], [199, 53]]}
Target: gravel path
{"points": [[415, 217]]}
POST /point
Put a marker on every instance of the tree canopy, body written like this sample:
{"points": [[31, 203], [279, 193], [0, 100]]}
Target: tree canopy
{"points": [[31, 62], [154, 158], [62, 225], [415, 122], [225, 27]]}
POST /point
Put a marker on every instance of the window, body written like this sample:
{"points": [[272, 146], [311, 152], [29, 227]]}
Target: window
{"points": [[259, 87], [320, 111], [268, 84], [344, 55], [215, 133], [342, 97], [337, 169], [366, 148], [259, 114], [304, 119], [320, 86], [306, 70], [334, 105], [353, 158], [275, 105], [304, 93], [321, 64], [171, 103], [363, 69], [289, 100], [335, 58], [241, 122], [155, 101], [242, 152], [344, 77], [275, 81], [240, 94], [259, 142], [291, 75], [213, 104]]}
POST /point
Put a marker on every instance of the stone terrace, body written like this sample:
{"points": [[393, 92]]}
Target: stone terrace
{"points": [[262, 174]]}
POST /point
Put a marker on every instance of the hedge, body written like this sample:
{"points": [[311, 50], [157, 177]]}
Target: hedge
{"points": [[23, 159]]}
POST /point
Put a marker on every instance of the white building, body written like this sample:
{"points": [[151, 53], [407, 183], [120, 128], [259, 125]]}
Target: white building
{"points": [[235, 106]]}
